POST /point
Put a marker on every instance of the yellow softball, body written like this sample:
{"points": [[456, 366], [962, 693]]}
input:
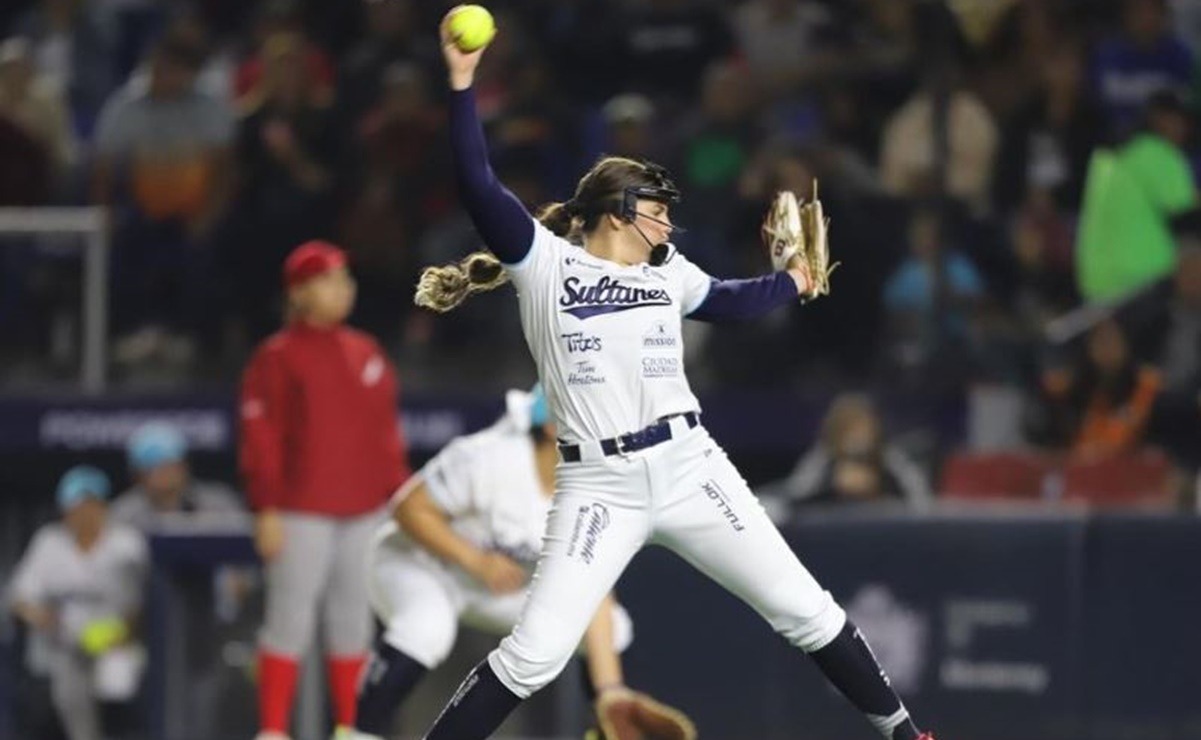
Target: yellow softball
{"points": [[471, 27]]}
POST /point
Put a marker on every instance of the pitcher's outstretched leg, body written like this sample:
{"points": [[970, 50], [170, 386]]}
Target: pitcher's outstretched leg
{"points": [[849, 664], [475, 711]]}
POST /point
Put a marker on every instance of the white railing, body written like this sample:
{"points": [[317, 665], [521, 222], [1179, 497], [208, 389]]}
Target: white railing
{"points": [[89, 224]]}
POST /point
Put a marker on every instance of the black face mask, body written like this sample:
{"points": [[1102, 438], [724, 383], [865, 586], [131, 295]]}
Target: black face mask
{"points": [[664, 192]]}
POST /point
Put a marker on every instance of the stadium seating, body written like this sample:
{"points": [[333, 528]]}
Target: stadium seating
{"points": [[1144, 477], [1013, 476]]}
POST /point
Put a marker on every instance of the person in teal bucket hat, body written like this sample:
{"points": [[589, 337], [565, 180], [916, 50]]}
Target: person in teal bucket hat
{"points": [[164, 487], [78, 590]]}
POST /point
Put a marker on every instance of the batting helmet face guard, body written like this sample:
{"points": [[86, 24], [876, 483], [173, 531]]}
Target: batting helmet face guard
{"points": [[660, 189], [614, 186]]}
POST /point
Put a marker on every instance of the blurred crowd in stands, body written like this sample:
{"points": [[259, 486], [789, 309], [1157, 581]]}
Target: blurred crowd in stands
{"points": [[1011, 185]]}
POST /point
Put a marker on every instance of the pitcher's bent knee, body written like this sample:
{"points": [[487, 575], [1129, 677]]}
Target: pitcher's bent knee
{"points": [[810, 626], [524, 672], [537, 650]]}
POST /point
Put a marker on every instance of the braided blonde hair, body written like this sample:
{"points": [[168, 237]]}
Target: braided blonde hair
{"points": [[443, 288]]}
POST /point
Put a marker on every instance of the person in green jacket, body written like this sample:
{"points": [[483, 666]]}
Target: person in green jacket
{"points": [[1136, 198]]}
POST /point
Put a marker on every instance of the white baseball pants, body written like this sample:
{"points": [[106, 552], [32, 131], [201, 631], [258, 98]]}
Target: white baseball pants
{"points": [[683, 494], [422, 601]]}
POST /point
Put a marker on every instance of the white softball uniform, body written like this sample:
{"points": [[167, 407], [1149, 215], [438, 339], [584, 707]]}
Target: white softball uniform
{"points": [[606, 338], [104, 582], [488, 485], [607, 342]]}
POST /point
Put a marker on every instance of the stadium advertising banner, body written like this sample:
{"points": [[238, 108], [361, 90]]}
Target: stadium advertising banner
{"points": [[981, 622], [209, 423], [740, 421]]}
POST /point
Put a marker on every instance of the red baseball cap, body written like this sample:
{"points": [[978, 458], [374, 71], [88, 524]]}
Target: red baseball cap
{"points": [[311, 259]]}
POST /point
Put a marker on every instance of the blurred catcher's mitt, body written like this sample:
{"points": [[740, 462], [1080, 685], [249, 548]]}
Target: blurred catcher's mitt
{"points": [[795, 228], [630, 715]]}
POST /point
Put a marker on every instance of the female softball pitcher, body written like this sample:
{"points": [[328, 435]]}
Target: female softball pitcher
{"points": [[321, 453], [465, 532], [602, 295]]}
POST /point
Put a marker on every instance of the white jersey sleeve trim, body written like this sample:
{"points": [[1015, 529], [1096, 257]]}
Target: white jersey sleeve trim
{"points": [[697, 304], [539, 231], [693, 281], [529, 252]]}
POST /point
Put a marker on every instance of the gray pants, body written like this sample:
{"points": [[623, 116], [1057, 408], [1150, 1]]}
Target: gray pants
{"points": [[73, 697], [323, 566]]}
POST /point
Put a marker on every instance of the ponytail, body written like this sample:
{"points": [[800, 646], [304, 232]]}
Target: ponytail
{"points": [[562, 220], [443, 288]]}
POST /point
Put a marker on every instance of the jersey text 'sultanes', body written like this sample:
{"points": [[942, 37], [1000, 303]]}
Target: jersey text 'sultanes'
{"points": [[607, 338]]}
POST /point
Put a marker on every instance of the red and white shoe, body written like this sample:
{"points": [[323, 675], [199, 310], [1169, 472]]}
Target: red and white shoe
{"points": [[925, 736]]}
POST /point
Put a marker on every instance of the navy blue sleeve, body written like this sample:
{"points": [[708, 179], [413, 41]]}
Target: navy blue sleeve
{"points": [[505, 225], [743, 299]]}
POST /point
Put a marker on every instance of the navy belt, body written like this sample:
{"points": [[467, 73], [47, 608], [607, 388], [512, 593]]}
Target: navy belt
{"points": [[646, 437]]}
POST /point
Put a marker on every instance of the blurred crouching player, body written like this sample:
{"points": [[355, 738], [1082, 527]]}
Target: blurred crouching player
{"points": [[78, 588]]}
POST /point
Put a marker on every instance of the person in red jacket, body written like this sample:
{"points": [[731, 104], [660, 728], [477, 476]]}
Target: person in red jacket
{"points": [[321, 454]]}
